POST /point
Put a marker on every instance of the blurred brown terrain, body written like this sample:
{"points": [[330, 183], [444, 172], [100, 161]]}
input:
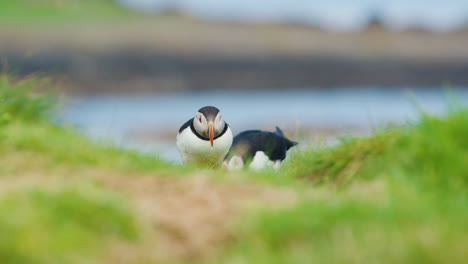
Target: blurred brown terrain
{"points": [[177, 53]]}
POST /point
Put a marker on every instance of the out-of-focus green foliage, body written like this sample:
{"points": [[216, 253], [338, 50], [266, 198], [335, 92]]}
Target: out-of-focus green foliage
{"points": [[45, 226], [18, 102], [432, 153], [417, 212], [407, 226], [26, 126], [399, 196]]}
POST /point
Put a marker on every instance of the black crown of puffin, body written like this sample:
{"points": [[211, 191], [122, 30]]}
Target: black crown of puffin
{"points": [[208, 124]]}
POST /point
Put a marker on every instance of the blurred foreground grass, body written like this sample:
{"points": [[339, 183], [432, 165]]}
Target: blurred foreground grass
{"points": [[399, 196]]}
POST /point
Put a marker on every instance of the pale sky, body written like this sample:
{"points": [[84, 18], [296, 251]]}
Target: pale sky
{"points": [[334, 14]]}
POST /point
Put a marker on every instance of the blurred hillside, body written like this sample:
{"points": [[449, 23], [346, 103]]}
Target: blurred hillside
{"points": [[101, 47]]}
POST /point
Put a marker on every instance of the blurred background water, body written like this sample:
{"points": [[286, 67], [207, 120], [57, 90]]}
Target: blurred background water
{"points": [[133, 71]]}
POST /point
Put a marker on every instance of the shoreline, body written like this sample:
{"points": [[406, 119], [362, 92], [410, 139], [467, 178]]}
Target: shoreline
{"points": [[141, 72], [181, 54]]}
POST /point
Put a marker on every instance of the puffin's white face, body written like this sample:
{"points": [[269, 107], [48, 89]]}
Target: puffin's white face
{"points": [[218, 124], [209, 127]]}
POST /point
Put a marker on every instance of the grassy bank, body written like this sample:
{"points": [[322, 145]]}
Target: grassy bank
{"points": [[399, 196]]}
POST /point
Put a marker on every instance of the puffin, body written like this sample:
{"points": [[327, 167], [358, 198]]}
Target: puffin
{"points": [[205, 139], [258, 149]]}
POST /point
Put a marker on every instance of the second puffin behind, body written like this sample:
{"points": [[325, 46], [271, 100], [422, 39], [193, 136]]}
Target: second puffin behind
{"points": [[205, 139], [258, 149]]}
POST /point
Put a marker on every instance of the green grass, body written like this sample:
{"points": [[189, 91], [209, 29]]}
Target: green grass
{"points": [[430, 154], [47, 217], [18, 104], [33, 12], [399, 196], [65, 147], [419, 213], [26, 127], [400, 229], [46, 226]]}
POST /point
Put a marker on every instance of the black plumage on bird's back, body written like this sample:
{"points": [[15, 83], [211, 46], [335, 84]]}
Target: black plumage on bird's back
{"points": [[273, 144]]}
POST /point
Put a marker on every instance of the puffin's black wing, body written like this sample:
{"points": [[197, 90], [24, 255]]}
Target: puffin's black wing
{"points": [[185, 125]]}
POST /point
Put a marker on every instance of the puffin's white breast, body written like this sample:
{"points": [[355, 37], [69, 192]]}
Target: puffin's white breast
{"points": [[196, 150]]}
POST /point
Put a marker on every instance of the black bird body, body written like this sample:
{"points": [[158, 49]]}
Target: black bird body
{"points": [[259, 148]]}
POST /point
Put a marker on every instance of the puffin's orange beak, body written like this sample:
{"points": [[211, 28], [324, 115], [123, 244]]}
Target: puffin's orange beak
{"points": [[210, 124]]}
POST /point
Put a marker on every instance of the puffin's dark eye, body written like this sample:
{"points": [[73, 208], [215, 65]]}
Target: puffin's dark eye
{"points": [[199, 118]]}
